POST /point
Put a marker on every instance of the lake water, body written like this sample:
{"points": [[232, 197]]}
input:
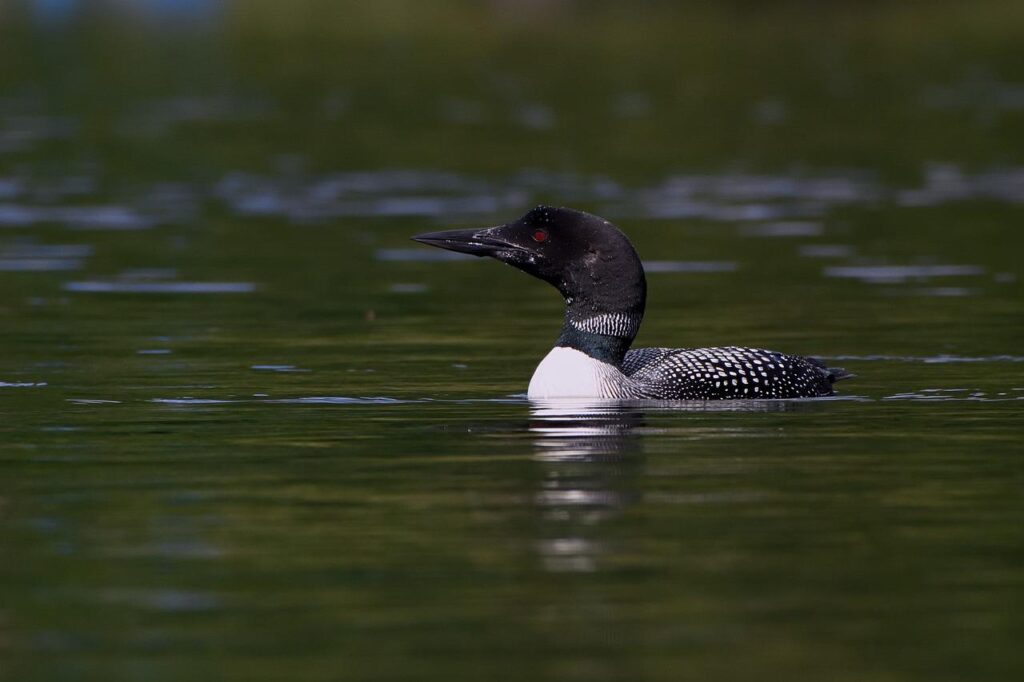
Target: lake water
{"points": [[248, 430]]}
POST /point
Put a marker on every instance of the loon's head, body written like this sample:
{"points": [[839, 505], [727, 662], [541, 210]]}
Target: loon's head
{"points": [[591, 263], [582, 255]]}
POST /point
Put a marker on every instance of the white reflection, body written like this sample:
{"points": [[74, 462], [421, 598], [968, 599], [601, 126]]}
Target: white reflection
{"points": [[570, 429], [591, 459], [593, 465]]}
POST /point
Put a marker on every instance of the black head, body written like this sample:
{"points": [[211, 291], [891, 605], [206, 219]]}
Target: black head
{"points": [[585, 257], [582, 255]]}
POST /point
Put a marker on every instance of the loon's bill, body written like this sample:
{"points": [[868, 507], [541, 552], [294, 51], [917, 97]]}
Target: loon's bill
{"points": [[476, 242], [599, 274]]}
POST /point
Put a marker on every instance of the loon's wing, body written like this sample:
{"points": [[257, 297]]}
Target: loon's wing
{"points": [[638, 358], [728, 372]]}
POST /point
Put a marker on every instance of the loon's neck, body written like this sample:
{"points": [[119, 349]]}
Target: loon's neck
{"points": [[605, 294], [604, 335], [586, 361]]}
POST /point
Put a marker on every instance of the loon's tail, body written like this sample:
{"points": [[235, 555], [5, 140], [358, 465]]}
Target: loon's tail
{"points": [[833, 374], [838, 374]]}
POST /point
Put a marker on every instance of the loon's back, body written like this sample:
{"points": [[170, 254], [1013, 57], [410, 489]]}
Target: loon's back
{"points": [[727, 373]]}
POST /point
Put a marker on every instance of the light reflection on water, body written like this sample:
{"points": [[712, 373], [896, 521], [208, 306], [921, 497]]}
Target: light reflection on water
{"points": [[170, 601], [778, 205], [123, 287], [775, 206], [728, 197], [22, 264], [592, 457], [957, 394], [110, 217], [888, 274], [929, 359], [590, 454]]}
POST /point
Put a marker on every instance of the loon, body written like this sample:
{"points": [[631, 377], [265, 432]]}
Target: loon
{"points": [[598, 272]]}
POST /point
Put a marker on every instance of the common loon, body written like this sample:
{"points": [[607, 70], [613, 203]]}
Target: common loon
{"points": [[598, 272]]}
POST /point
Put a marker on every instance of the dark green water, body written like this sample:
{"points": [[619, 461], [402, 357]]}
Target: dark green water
{"points": [[249, 431]]}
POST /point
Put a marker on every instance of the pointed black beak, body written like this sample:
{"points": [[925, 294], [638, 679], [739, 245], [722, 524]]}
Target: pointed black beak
{"points": [[486, 241]]}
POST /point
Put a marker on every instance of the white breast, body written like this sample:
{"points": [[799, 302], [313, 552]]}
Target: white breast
{"points": [[568, 373]]}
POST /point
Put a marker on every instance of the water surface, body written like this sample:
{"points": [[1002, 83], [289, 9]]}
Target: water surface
{"points": [[249, 431]]}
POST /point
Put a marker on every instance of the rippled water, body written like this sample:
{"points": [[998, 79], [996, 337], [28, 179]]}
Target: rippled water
{"points": [[249, 431]]}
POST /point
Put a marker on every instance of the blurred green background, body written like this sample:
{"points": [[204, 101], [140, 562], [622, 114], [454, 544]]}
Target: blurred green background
{"points": [[627, 89]]}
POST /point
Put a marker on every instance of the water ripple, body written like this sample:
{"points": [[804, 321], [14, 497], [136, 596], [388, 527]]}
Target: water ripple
{"points": [[664, 266], [278, 368], [784, 205], [100, 287], [955, 395], [345, 400], [889, 274], [928, 359], [39, 264], [418, 255]]}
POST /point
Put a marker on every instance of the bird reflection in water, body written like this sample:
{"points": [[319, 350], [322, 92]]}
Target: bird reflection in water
{"points": [[592, 459], [593, 464]]}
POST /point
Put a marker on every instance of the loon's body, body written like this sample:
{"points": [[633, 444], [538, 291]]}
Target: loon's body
{"points": [[601, 277]]}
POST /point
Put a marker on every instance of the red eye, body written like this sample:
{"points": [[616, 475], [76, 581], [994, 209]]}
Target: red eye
{"points": [[540, 235]]}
